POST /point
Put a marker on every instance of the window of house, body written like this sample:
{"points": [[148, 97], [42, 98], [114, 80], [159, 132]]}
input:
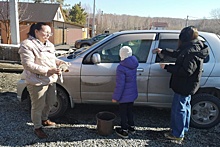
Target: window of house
{"points": [[59, 15]]}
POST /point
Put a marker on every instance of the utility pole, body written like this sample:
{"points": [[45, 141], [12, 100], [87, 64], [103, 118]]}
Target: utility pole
{"points": [[14, 23], [102, 22], [93, 20], [187, 19], [88, 26]]}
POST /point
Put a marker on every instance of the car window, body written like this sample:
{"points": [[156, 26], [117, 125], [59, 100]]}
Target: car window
{"points": [[172, 44], [167, 44], [140, 49], [109, 47], [96, 38], [99, 37]]}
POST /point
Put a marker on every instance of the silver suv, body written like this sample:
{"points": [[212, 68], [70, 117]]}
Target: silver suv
{"points": [[92, 75]]}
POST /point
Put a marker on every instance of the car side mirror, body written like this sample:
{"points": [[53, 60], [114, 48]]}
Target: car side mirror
{"points": [[96, 58]]}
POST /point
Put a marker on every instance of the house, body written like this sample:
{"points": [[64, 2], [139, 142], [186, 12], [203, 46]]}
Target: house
{"points": [[158, 25], [29, 13]]}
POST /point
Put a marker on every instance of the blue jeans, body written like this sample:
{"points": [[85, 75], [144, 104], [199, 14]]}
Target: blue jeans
{"points": [[180, 114]]}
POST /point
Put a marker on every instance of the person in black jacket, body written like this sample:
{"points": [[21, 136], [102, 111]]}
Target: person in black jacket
{"points": [[185, 78]]}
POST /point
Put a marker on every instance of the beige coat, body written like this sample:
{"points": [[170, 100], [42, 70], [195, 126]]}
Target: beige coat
{"points": [[37, 59]]}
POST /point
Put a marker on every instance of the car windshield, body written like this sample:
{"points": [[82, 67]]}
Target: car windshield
{"points": [[83, 49]]}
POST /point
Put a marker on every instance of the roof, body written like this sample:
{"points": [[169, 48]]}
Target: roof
{"points": [[34, 12]]}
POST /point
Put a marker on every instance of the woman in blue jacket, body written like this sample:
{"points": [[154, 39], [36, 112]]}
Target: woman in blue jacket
{"points": [[126, 90]]}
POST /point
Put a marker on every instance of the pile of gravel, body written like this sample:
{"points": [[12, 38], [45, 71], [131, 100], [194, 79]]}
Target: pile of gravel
{"points": [[78, 127]]}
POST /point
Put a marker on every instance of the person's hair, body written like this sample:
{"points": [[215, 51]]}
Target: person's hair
{"points": [[188, 34], [35, 26]]}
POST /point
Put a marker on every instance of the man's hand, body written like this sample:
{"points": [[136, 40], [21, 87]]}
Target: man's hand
{"points": [[156, 50], [162, 65]]}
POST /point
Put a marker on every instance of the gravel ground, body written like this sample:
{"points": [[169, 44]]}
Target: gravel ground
{"points": [[78, 126]]}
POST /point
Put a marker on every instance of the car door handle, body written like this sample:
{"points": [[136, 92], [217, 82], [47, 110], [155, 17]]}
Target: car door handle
{"points": [[140, 70]]}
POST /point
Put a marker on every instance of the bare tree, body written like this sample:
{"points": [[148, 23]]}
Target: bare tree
{"points": [[215, 13], [99, 25], [5, 16], [114, 22], [22, 8]]}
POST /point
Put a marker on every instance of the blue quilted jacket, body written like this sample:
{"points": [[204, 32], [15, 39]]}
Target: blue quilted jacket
{"points": [[126, 81]]}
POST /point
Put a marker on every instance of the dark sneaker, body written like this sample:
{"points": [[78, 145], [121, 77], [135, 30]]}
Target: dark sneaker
{"points": [[131, 129], [171, 137], [122, 133], [48, 123], [40, 133]]}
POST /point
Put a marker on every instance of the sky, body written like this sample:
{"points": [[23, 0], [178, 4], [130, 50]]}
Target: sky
{"points": [[194, 9]]}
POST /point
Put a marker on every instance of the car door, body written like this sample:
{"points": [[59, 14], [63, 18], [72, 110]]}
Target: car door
{"points": [[159, 92], [98, 80]]}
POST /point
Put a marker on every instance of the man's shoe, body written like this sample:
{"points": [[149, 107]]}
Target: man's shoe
{"points": [[40, 133], [48, 123], [131, 129], [122, 133], [170, 136]]}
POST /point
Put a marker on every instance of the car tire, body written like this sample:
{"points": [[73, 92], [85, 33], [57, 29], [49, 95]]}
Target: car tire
{"points": [[205, 111], [59, 108], [61, 105]]}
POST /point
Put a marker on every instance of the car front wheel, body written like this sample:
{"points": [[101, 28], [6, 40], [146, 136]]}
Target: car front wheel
{"points": [[59, 107], [205, 111]]}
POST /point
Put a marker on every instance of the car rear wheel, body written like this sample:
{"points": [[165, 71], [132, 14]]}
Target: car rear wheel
{"points": [[59, 107], [205, 111]]}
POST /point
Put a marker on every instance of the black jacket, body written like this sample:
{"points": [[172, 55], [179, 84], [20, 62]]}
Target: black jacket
{"points": [[187, 71]]}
